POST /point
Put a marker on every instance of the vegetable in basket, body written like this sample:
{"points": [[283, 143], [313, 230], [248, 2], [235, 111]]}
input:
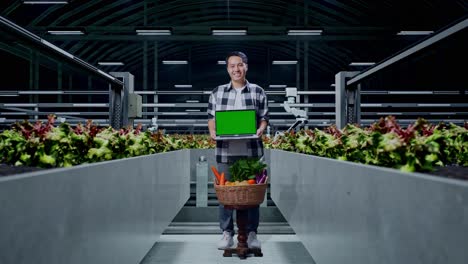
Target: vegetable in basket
{"points": [[249, 168]]}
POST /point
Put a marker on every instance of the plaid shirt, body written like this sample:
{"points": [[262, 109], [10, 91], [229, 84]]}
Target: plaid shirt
{"points": [[253, 97]]}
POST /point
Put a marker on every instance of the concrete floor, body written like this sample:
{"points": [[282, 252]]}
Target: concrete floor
{"points": [[196, 248]]}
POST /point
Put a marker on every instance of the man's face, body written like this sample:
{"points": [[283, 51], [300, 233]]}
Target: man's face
{"points": [[236, 68]]}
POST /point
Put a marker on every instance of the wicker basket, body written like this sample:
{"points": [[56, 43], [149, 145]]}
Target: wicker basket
{"points": [[253, 194]]}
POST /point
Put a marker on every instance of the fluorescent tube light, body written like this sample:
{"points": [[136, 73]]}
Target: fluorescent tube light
{"points": [[410, 92], [65, 32], [175, 113], [271, 101], [192, 101], [40, 92], [13, 113], [110, 63], [361, 63], [436, 105], [277, 86], [183, 86], [144, 92], [68, 113], [90, 105], [192, 110], [20, 105], [153, 32], [304, 32], [222, 62], [158, 105], [415, 32], [443, 113], [389, 113], [45, 2], [332, 85], [174, 62], [229, 32], [285, 62], [185, 121], [371, 105], [8, 95]]}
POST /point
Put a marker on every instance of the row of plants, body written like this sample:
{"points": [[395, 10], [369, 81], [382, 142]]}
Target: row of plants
{"points": [[45, 145], [419, 147]]}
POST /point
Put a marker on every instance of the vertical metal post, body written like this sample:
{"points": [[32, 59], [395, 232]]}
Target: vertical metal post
{"points": [[90, 88], [118, 100], [343, 99], [36, 117], [156, 77], [115, 106], [31, 76], [306, 75], [202, 182], [298, 68], [145, 71], [358, 104], [353, 99], [36, 82], [59, 80]]}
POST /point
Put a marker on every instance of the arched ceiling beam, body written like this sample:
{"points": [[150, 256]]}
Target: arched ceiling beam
{"points": [[123, 14], [91, 5], [89, 17], [12, 7]]}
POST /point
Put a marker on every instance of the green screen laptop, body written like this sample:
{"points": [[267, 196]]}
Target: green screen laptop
{"points": [[236, 124]]}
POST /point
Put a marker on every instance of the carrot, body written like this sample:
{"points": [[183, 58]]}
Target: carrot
{"points": [[222, 181], [216, 173]]}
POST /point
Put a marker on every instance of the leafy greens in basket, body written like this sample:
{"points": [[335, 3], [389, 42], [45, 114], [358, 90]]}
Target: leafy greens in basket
{"points": [[248, 168]]}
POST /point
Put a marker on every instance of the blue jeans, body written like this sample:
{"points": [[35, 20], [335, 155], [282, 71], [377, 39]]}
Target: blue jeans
{"points": [[225, 215]]}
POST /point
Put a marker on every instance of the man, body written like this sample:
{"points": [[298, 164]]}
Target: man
{"points": [[238, 94]]}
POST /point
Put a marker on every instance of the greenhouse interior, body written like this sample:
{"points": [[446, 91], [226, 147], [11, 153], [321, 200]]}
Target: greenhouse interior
{"points": [[344, 138]]}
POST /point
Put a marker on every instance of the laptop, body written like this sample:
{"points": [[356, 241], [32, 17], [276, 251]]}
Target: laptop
{"points": [[236, 124]]}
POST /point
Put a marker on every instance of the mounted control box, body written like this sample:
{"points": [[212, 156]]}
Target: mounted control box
{"points": [[291, 92], [134, 105]]}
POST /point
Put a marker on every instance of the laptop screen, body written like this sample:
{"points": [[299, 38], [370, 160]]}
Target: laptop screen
{"points": [[236, 122]]}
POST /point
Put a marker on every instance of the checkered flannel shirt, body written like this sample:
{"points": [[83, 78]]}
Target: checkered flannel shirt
{"points": [[253, 97]]}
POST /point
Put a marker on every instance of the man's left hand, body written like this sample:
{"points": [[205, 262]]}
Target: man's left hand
{"points": [[260, 132]]}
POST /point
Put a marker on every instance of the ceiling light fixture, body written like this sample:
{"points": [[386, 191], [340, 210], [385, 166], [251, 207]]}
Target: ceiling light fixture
{"points": [[278, 86], [304, 32], [40, 92], [38, 2], [183, 86], [174, 62], [222, 62], [361, 63], [153, 32], [229, 32], [65, 32], [414, 32], [284, 62], [110, 63]]}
